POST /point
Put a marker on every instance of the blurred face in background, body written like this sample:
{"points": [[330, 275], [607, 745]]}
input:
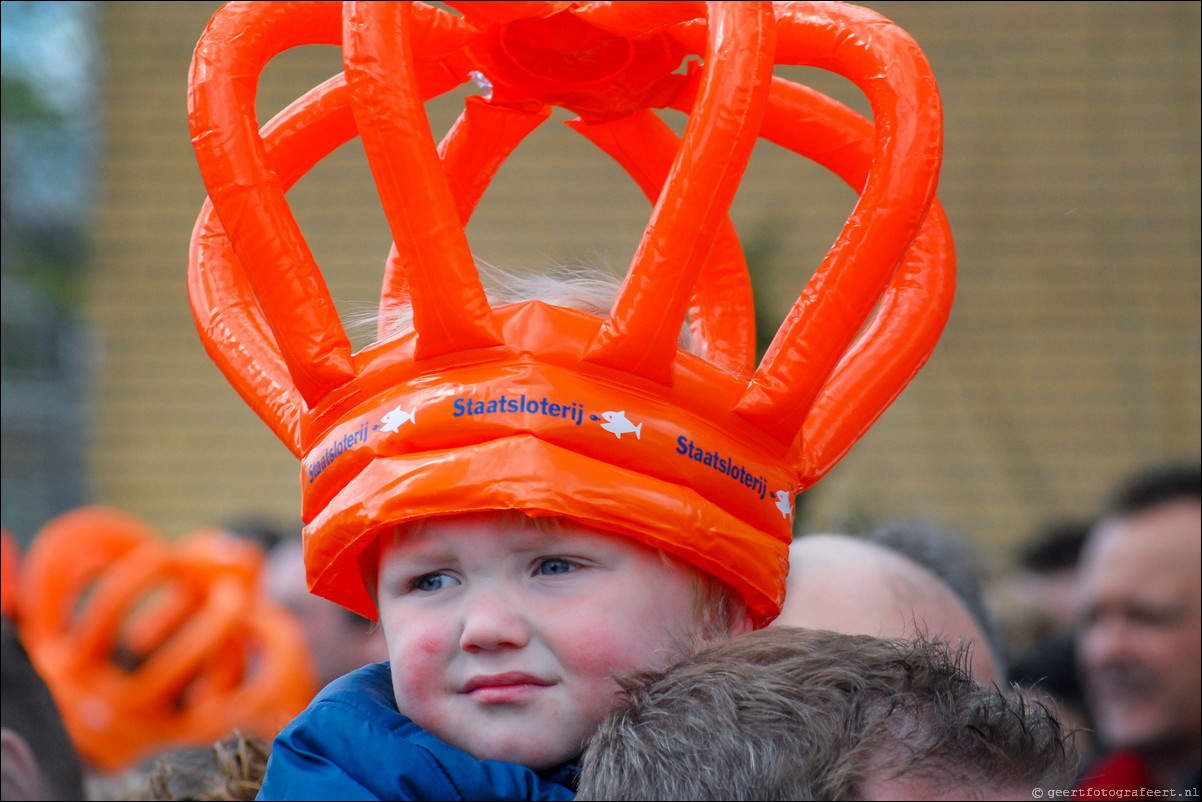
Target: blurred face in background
{"points": [[339, 640], [1140, 642]]}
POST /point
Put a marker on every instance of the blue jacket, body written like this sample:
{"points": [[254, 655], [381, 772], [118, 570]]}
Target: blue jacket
{"points": [[353, 743]]}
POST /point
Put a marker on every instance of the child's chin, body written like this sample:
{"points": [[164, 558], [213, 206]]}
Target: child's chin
{"points": [[533, 756]]}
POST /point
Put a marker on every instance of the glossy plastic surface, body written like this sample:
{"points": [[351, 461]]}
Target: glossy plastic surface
{"points": [[723, 445]]}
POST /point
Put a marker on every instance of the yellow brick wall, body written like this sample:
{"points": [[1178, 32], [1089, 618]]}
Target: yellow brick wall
{"points": [[1071, 179]]}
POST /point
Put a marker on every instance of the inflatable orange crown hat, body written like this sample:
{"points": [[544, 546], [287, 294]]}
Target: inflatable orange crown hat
{"points": [[150, 645], [534, 407]]}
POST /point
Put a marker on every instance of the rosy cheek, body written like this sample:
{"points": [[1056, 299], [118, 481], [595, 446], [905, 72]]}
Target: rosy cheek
{"points": [[594, 660], [419, 652], [603, 651], [413, 675], [591, 671], [419, 681], [429, 645]]}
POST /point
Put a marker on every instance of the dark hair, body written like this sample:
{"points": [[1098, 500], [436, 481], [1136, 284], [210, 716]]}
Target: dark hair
{"points": [[1157, 485], [28, 709], [785, 713], [1055, 547], [1050, 666]]}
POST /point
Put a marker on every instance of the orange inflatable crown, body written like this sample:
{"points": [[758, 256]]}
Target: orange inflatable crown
{"points": [[149, 645], [534, 407]]}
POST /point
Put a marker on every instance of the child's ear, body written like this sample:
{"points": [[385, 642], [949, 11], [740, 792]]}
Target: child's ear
{"points": [[739, 621]]}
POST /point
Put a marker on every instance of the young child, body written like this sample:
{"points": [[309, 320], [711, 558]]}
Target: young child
{"points": [[532, 496], [504, 634]]}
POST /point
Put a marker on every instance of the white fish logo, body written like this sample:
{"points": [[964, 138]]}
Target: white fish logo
{"points": [[617, 424], [396, 419], [784, 503]]}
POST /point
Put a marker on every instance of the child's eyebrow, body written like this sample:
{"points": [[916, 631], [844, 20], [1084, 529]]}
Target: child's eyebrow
{"points": [[416, 554]]}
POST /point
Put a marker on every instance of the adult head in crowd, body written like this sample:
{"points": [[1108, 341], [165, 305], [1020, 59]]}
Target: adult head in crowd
{"points": [[1140, 638], [1046, 577], [784, 713], [1038, 602], [849, 585], [952, 558]]}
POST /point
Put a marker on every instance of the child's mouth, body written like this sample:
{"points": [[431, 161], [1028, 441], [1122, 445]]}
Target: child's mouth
{"points": [[512, 686]]}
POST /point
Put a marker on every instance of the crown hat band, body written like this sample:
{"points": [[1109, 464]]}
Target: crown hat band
{"points": [[472, 404], [425, 434], [266, 318]]}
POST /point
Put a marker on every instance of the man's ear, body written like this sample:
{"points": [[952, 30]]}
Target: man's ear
{"points": [[21, 775]]}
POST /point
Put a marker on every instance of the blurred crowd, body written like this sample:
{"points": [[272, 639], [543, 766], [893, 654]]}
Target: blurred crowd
{"points": [[139, 668]]}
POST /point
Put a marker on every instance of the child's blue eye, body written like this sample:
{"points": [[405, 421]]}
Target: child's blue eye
{"points": [[429, 582], [556, 565]]}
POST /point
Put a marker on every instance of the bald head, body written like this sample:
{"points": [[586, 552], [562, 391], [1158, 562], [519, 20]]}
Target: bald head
{"points": [[843, 584]]}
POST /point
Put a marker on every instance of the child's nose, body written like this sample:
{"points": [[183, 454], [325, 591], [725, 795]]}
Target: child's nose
{"points": [[493, 620]]}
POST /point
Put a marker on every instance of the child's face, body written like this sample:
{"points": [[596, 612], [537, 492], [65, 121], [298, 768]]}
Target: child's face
{"points": [[504, 637]]}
